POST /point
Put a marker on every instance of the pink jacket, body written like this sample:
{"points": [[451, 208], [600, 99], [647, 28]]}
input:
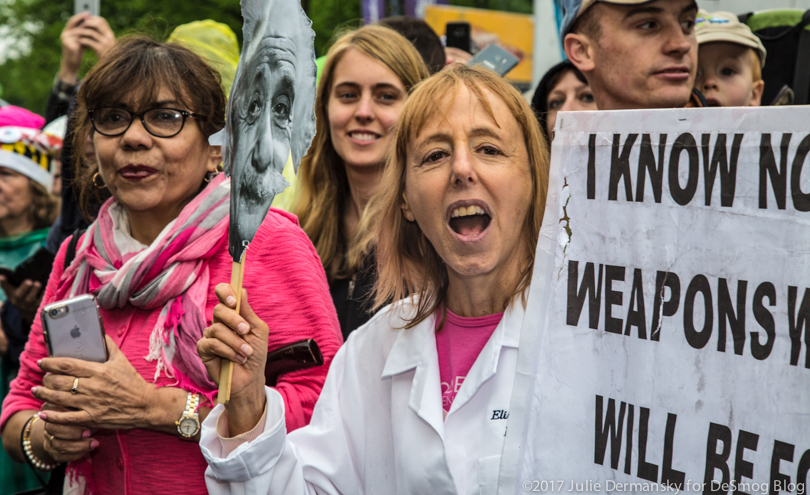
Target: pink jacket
{"points": [[286, 287]]}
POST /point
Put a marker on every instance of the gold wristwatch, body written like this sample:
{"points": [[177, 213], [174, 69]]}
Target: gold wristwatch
{"points": [[189, 423]]}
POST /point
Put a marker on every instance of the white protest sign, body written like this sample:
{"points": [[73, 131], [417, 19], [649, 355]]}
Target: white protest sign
{"points": [[665, 346]]}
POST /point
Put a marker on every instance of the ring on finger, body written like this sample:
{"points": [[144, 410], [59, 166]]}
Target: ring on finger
{"points": [[75, 389]]}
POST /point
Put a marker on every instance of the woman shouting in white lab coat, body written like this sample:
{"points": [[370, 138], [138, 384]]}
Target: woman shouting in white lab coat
{"points": [[417, 400]]}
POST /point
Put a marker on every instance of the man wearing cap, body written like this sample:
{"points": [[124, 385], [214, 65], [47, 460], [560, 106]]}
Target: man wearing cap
{"points": [[730, 62], [635, 53]]}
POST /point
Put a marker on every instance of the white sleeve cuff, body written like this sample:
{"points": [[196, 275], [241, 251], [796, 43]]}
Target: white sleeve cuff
{"points": [[229, 443], [250, 458]]}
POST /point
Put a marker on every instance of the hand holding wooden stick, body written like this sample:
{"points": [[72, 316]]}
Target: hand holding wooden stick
{"points": [[226, 372]]}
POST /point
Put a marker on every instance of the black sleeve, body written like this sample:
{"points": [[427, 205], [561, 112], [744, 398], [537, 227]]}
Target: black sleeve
{"points": [[56, 107], [16, 331], [70, 216], [59, 99]]}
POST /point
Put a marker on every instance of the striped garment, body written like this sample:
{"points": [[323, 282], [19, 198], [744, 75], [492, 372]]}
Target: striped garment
{"points": [[171, 273]]}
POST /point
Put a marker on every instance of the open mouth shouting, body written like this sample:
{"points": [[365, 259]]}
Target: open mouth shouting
{"points": [[469, 219]]}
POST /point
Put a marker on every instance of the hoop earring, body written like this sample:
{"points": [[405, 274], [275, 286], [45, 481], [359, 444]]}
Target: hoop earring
{"points": [[210, 175], [95, 182]]}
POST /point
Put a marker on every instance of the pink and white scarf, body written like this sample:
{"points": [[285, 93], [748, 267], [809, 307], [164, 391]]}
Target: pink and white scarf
{"points": [[172, 274]]}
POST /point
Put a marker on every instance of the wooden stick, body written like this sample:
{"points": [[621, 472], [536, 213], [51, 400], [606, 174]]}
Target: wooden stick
{"points": [[226, 372]]}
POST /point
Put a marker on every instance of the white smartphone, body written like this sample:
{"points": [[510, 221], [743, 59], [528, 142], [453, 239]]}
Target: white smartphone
{"points": [[73, 328], [92, 6]]}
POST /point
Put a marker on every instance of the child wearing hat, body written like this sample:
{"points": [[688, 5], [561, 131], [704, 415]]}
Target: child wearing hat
{"points": [[730, 61]]}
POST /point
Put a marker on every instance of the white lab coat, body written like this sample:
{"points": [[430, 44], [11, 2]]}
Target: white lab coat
{"points": [[378, 425]]}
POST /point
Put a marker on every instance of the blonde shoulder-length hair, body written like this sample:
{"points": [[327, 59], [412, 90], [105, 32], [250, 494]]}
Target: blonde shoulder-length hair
{"points": [[407, 263], [324, 186]]}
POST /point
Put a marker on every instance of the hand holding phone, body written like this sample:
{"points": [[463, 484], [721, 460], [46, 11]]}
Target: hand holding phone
{"points": [[36, 268], [26, 297], [86, 29], [110, 395], [456, 55]]}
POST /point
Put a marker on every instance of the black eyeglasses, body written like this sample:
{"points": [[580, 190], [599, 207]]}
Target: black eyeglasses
{"points": [[159, 122]]}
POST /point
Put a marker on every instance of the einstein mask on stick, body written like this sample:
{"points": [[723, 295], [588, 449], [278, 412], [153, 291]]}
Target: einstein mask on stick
{"points": [[271, 111], [271, 114]]}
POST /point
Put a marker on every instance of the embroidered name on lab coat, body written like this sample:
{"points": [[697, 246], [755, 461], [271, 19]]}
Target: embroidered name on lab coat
{"points": [[499, 414]]}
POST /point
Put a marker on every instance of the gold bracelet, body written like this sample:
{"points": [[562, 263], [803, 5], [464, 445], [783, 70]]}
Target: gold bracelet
{"points": [[29, 451]]}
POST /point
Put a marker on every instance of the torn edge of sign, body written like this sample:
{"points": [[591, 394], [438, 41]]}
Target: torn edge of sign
{"points": [[566, 233]]}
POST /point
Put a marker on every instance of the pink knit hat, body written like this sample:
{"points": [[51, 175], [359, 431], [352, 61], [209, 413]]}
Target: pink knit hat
{"points": [[20, 117]]}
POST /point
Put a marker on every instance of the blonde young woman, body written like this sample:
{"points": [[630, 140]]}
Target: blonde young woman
{"points": [[364, 84], [408, 402]]}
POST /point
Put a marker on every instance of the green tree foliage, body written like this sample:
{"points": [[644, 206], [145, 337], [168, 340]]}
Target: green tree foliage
{"points": [[330, 16], [26, 80]]}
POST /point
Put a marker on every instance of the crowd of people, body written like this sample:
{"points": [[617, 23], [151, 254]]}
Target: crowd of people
{"points": [[406, 253]]}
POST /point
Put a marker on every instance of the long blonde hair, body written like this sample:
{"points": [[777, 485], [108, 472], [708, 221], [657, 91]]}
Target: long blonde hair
{"points": [[407, 263], [322, 178]]}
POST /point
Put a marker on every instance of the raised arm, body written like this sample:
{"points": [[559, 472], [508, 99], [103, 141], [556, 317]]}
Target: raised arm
{"points": [[314, 459], [288, 291]]}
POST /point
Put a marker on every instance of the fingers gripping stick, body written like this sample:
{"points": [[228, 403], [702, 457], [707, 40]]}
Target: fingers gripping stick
{"points": [[226, 371]]}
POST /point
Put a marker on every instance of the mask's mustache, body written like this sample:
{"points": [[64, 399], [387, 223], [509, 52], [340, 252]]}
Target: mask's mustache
{"points": [[260, 188], [253, 188]]}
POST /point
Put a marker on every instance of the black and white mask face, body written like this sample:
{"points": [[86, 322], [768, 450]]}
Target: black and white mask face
{"points": [[271, 109]]}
